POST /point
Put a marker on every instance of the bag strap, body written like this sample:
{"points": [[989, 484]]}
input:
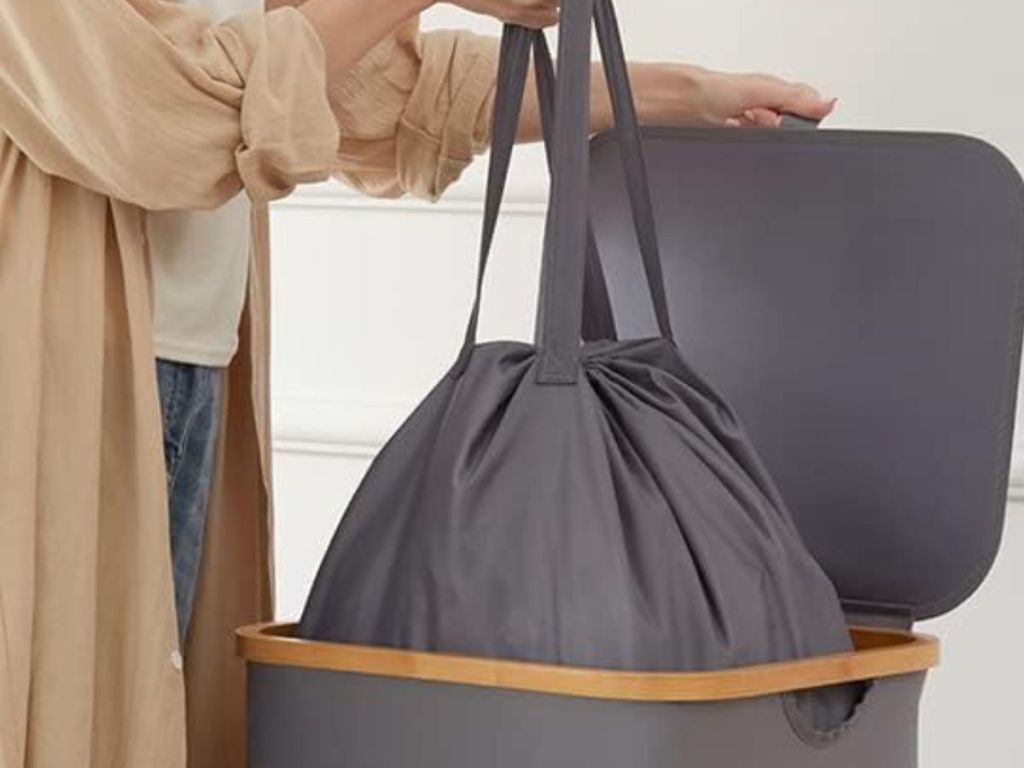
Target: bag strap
{"points": [[598, 321], [513, 66], [564, 264], [563, 267], [515, 48], [634, 164]]}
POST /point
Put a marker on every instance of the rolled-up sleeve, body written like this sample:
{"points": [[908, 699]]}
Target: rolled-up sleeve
{"points": [[150, 103], [415, 111]]}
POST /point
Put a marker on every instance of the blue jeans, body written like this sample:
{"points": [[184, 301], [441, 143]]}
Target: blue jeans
{"points": [[190, 398]]}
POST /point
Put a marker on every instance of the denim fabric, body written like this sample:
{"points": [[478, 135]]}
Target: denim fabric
{"points": [[190, 404]]}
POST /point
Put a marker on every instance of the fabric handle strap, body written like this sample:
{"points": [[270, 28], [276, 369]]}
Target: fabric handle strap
{"points": [[513, 65], [597, 308], [566, 103], [634, 164], [564, 264]]}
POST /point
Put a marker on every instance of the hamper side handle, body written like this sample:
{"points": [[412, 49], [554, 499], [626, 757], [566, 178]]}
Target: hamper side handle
{"points": [[792, 121]]}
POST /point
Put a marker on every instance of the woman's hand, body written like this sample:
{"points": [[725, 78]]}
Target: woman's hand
{"points": [[681, 94], [527, 13]]}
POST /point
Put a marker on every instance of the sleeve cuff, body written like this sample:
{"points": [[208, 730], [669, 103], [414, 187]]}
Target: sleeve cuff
{"points": [[429, 162], [289, 133]]}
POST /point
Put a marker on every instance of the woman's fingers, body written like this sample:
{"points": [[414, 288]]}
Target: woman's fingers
{"points": [[681, 94], [536, 14], [539, 19], [707, 97], [545, 14], [770, 93], [762, 118]]}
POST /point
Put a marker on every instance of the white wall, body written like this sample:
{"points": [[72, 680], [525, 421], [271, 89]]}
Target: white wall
{"points": [[371, 297], [972, 713]]}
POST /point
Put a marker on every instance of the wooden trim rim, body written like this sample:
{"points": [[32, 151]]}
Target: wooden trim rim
{"points": [[880, 653]]}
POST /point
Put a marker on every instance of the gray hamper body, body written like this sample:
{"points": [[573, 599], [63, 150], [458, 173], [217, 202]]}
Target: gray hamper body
{"points": [[337, 719], [857, 298]]}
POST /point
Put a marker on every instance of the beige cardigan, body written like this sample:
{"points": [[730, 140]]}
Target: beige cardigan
{"points": [[109, 108]]}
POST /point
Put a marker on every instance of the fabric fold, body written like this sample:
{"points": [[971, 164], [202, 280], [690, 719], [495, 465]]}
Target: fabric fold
{"points": [[151, 104], [415, 111]]}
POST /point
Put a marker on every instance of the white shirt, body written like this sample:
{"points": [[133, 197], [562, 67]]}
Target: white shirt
{"points": [[200, 263]]}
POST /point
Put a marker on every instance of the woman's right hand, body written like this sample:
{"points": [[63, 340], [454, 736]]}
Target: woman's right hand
{"points": [[527, 13]]}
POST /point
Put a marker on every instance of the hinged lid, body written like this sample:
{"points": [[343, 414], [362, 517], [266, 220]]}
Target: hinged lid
{"points": [[857, 298]]}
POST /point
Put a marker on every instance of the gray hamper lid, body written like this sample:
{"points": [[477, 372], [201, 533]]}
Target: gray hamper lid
{"points": [[857, 298]]}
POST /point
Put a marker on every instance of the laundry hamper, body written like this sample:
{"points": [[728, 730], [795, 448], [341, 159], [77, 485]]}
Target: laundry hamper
{"points": [[857, 297]]}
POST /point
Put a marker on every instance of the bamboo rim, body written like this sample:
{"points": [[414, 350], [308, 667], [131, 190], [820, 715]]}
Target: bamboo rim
{"points": [[879, 653]]}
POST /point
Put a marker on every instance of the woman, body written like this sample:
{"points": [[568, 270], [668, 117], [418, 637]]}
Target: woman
{"points": [[112, 113]]}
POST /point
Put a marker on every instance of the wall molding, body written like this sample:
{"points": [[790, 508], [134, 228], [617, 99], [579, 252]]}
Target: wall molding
{"points": [[335, 427], [358, 429], [526, 200], [1016, 490]]}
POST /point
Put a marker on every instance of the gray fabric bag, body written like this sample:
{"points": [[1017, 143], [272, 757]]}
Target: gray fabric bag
{"points": [[591, 504]]}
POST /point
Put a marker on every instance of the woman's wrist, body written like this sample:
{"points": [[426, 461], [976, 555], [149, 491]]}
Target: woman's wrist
{"points": [[669, 94], [690, 95], [666, 94], [684, 94]]}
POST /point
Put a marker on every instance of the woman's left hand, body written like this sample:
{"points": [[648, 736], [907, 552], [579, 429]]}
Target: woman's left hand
{"points": [[682, 94]]}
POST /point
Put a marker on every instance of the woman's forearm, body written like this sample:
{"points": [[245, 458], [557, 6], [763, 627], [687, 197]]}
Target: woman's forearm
{"points": [[350, 28], [600, 106], [684, 94], [670, 94]]}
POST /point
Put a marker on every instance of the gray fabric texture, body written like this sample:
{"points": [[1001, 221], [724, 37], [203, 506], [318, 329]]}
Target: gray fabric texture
{"points": [[591, 504]]}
